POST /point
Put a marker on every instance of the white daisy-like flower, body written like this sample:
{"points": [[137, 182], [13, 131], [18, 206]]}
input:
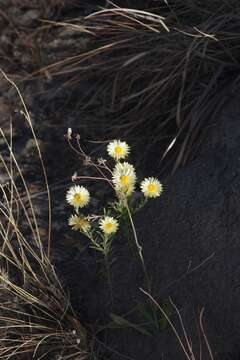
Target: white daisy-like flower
{"points": [[151, 187], [79, 222], [78, 196], [118, 149], [108, 225], [124, 178]]}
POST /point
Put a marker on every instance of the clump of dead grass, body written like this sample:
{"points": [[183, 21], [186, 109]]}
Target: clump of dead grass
{"points": [[160, 76], [36, 317]]}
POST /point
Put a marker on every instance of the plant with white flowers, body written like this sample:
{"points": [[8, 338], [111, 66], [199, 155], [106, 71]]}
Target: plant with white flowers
{"points": [[120, 175]]}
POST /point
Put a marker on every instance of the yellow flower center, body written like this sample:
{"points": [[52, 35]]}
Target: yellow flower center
{"points": [[77, 197], [118, 150], [108, 226], [124, 179], [82, 222], [152, 188]]}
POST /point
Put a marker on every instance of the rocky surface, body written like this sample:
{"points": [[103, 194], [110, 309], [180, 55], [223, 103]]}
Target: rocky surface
{"points": [[191, 243]]}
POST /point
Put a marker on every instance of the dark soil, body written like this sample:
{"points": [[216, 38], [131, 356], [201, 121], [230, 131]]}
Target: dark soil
{"points": [[190, 235]]}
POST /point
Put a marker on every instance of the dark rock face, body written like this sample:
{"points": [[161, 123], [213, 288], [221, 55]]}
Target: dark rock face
{"points": [[191, 246], [191, 236]]}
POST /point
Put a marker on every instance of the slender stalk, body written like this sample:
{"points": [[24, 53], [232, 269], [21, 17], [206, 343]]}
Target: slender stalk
{"points": [[139, 247], [184, 348], [104, 248], [108, 276]]}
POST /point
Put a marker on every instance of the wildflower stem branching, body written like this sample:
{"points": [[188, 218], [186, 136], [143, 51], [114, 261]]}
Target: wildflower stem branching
{"points": [[122, 179]]}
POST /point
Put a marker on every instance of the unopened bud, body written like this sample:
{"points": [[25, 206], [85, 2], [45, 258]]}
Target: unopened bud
{"points": [[69, 133]]}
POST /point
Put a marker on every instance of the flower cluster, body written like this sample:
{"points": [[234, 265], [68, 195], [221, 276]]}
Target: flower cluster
{"points": [[124, 175], [78, 197], [121, 176]]}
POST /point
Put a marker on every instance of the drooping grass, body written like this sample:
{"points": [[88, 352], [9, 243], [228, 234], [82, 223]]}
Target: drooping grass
{"points": [[161, 76], [36, 317]]}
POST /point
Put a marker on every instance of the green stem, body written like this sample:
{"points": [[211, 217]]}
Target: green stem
{"points": [[139, 248], [108, 277], [106, 251], [104, 248]]}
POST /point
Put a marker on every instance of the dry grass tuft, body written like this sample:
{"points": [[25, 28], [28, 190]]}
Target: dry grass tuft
{"points": [[160, 76], [36, 317]]}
